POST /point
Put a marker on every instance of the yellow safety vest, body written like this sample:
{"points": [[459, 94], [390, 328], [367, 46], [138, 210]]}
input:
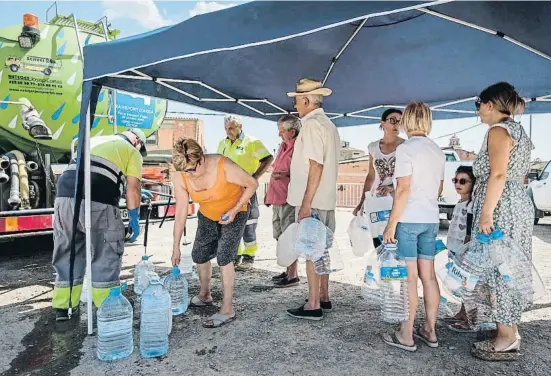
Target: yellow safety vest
{"points": [[246, 151]]}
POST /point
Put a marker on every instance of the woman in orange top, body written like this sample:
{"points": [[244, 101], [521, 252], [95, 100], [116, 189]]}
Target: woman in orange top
{"points": [[222, 189]]}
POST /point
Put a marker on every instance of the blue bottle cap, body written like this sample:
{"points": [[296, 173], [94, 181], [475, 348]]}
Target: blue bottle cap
{"points": [[115, 291], [175, 271], [497, 234], [483, 238], [443, 300], [370, 275], [145, 258]]}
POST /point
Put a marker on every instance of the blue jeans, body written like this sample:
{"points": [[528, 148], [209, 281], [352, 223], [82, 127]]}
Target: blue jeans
{"points": [[416, 240]]}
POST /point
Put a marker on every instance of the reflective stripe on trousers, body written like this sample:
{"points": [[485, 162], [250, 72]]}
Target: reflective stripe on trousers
{"points": [[249, 236], [107, 235]]}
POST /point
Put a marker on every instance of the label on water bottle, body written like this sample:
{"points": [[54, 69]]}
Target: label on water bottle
{"points": [[506, 274], [380, 216], [394, 272], [458, 278]]}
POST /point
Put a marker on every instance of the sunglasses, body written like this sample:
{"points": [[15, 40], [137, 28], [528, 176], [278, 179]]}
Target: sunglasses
{"points": [[460, 181], [477, 104], [192, 170], [392, 121]]}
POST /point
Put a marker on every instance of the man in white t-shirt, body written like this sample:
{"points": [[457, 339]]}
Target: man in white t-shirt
{"points": [[313, 189]]}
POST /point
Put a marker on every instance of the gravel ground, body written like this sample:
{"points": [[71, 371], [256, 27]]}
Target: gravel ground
{"points": [[263, 340]]}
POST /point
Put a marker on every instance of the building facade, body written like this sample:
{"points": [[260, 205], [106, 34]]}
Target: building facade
{"points": [[172, 129]]}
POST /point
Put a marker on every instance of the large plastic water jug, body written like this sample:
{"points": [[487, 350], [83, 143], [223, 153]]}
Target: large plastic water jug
{"points": [[177, 286], [155, 319], [394, 286], [141, 280], [360, 236], [115, 317], [285, 249]]}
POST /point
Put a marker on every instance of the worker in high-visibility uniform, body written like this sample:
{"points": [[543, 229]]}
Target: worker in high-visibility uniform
{"points": [[252, 156], [116, 161]]}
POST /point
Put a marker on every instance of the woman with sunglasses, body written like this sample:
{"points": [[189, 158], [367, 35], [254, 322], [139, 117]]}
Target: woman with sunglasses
{"points": [[500, 199], [222, 189], [382, 158]]}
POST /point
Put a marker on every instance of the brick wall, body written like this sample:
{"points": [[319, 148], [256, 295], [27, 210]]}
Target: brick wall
{"points": [[174, 128]]}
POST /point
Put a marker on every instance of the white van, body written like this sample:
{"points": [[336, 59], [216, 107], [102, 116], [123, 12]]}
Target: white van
{"points": [[449, 197]]}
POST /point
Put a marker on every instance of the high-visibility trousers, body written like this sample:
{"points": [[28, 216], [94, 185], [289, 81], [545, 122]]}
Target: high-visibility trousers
{"points": [[249, 245], [107, 235]]}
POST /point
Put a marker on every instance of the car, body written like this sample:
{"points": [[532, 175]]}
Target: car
{"points": [[539, 191]]}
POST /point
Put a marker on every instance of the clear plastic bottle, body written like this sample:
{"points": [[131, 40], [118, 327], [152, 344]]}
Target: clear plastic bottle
{"points": [[312, 239], [155, 319], [115, 317], [360, 236], [370, 288], [177, 286], [141, 271], [444, 310], [394, 286]]}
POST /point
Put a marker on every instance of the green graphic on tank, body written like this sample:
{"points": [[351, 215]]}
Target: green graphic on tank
{"points": [[49, 75]]}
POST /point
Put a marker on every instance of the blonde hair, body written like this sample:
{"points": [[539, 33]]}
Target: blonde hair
{"points": [[504, 97], [186, 153], [417, 117]]}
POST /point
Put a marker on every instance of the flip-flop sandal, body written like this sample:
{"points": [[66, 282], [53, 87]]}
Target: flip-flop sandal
{"points": [[461, 327], [197, 302], [417, 333], [392, 340], [217, 320], [485, 350]]}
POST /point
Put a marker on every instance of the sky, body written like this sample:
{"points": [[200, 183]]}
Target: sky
{"points": [[138, 16]]}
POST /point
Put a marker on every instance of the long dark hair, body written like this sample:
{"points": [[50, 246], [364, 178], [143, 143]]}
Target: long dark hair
{"points": [[469, 171]]}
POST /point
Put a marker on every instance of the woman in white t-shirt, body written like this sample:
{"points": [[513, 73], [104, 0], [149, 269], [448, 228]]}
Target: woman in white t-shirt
{"points": [[414, 221], [382, 160]]}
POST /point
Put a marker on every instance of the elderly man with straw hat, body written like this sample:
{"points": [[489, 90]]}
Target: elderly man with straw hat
{"points": [[313, 190]]}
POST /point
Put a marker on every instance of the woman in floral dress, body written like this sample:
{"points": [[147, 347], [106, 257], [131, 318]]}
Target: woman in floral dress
{"points": [[500, 199]]}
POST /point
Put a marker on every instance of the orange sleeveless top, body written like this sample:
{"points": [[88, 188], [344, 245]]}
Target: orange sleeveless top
{"points": [[218, 199]]}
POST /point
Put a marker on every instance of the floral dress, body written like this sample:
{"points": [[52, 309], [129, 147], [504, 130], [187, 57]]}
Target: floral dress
{"points": [[514, 214]]}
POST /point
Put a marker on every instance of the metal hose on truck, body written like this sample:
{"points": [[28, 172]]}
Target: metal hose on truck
{"points": [[19, 190], [4, 178]]}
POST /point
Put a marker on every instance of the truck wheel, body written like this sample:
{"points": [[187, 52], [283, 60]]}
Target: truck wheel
{"points": [[47, 71], [14, 68]]}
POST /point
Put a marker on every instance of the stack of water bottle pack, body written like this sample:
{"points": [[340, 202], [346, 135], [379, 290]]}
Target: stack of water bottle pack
{"points": [[315, 242], [158, 303], [490, 258]]}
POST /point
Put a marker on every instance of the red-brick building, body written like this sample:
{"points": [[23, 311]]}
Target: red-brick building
{"points": [[174, 128]]}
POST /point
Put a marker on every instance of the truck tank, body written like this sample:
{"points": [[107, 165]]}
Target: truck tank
{"points": [[41, 84]]}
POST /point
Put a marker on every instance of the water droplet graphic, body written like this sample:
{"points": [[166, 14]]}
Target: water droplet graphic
{"points": [[61, 33], [79, 98], [3, 106], [13, 122], [58, 112], [95, 123], [76, 119], [100, 132], [71, 79], [57, 133], [75, 58], [1, 74], [61, 49], [101, 95], [44, 33]]}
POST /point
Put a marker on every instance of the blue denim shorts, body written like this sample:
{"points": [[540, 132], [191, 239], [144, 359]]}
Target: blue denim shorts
{"points": [[416, 240]]}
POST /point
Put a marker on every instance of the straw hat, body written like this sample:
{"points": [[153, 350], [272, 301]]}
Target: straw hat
{"points": [[306, 86]]}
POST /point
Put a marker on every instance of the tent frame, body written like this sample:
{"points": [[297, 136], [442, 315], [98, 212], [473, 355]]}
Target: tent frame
{"points": [[247, 102]]}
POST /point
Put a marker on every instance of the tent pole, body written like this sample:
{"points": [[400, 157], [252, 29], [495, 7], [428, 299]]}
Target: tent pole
{"points": [[88, 220], [115, 111]]}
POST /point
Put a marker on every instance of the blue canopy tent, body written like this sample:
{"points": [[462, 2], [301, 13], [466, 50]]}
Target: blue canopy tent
{"points": [[373, 55]]}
